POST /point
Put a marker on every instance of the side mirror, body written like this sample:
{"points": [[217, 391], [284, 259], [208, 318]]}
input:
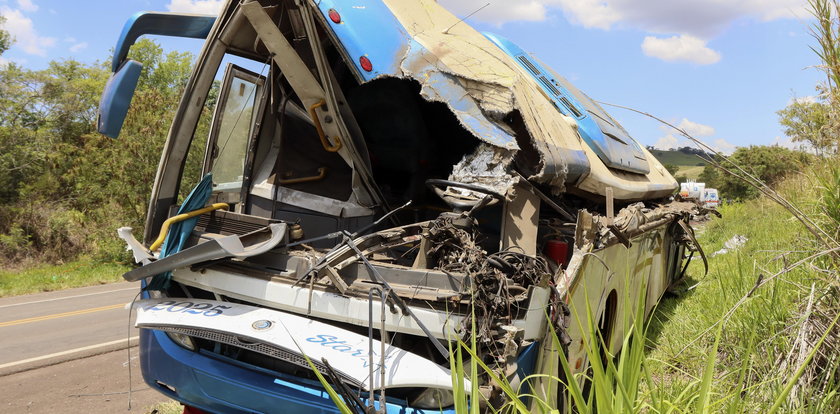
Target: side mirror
{"points": [[119, 90], [116, 98]]}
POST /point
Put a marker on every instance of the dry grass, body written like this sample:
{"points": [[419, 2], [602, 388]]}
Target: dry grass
{"points": [[690, 171], [169, 407]]}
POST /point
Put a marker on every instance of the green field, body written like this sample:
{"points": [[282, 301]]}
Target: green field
{"points": [[691, 171], [677, 158]]}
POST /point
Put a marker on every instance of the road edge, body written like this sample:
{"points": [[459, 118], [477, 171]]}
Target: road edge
{"points": [[66, 356]]}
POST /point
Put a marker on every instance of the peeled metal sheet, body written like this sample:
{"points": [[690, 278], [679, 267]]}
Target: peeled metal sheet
{"points": [[228, 246]]}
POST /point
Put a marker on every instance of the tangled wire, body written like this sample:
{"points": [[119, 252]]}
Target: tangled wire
{"points": [[499, 281], [453, 246]]}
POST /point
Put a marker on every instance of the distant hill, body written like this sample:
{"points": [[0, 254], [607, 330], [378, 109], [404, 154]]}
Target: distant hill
{"points": [[682, 157]]}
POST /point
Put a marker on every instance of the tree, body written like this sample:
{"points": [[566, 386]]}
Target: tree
{"points": [[64, 187], [672, 168], [5, 37], [809, 122], [819, 122], [710, 176]]}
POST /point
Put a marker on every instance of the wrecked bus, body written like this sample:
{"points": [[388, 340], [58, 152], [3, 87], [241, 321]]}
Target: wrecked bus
{"points": [[386, 179]]}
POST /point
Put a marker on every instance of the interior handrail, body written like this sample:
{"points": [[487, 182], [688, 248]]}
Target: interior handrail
{"points": [[324, 140], [164, 229]]}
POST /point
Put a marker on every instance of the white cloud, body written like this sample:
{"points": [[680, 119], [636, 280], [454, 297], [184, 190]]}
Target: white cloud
{"points": [[27, 5], [688, 19], [24, 33], [696, 130], [682, 48], [672, 139], [591, 13], [667, 142], [78, 46], [723, 146], [498, 12], [700, 18], [195, 6]]}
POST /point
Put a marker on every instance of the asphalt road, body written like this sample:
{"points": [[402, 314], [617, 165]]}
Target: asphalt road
{"points": [[66, 351], [39, 329], [92, 385]]}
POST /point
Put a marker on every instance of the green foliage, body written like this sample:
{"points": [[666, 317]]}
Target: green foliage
{"points": [[819, 123], [809, 123], [770, 164], [826, 31], [829, 188], [672, 168], [64, 188], [710, 176], [5, 38]]}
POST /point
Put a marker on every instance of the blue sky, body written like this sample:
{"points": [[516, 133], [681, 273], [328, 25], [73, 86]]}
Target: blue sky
{"points": [[718, 68]]}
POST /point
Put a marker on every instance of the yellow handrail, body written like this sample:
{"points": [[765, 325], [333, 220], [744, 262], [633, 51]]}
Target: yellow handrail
{"points": [[181, 217], [324, 142], [322, 172]]}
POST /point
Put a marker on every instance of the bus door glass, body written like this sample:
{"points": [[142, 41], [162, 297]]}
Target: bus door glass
{"points": [[232, 128]]}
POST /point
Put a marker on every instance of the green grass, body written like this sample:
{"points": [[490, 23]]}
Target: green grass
{"points": [[45, 278], [757, 333], [690, 171]]}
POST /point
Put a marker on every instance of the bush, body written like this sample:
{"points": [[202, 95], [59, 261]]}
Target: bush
{"points": [[64, 188], [769, 164]]}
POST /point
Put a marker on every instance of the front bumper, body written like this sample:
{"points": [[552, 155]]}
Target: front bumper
{"points": [[213, 383]]}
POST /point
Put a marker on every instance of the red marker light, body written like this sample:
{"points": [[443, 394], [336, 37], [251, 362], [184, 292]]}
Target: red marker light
{"points": [[334, 16], [365, 62]]}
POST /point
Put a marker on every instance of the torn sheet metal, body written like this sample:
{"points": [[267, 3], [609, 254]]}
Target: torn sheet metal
{"points": [[233, 246], [496, 85], [484, 87], [141, 254], [438, 84], [488, 167], [636, 219]]}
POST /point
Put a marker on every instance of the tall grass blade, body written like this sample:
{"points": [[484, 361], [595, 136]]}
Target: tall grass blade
{"points": [[572, 387], [705, 394], [474, 394], [336, 399], [511, 394], [780, 399]]}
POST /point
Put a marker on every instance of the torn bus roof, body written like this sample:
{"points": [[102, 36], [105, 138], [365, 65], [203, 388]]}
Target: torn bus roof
{"points": [[495, 97]]}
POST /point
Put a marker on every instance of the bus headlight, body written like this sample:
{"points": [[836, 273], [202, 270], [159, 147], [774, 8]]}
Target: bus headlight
{"points": [[433, 398], [181, 339]]}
